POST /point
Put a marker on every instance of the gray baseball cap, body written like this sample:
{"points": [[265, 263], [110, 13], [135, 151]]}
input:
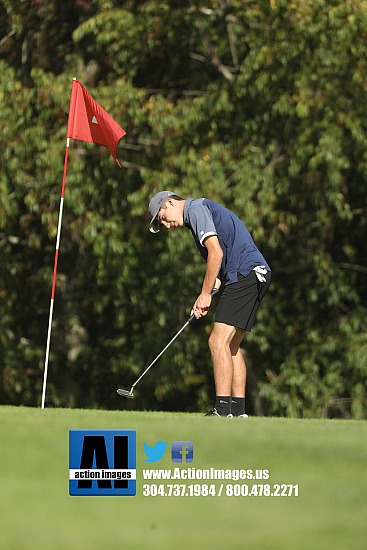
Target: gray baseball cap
{"points": [[154, 207]]}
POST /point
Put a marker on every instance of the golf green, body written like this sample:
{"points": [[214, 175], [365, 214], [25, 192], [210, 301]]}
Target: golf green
{"points": [[325, 459]]}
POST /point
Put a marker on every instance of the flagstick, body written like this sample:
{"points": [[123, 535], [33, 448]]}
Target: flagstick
{"points": [[54, 274]]}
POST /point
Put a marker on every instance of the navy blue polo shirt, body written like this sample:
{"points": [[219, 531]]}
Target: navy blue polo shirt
{"points": [[240, 254]]}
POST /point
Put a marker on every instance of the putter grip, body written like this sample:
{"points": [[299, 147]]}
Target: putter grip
{"points": [[213, 292]]}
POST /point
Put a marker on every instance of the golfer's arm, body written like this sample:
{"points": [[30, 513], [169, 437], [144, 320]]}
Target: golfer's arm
{"points": [[213, 264]]}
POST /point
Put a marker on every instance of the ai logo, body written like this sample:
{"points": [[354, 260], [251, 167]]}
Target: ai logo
{"points": [[102, 462]]}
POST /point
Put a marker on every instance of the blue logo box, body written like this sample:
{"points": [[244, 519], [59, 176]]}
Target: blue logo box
{"points": [[102, 462]]}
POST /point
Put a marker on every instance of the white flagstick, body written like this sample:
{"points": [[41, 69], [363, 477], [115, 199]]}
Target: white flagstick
{"points": [[54, 275]]}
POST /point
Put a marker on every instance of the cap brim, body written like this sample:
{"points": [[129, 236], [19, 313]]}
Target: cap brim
{"points": [[154, 225]]}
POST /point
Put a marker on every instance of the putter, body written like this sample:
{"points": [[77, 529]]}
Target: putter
{"points": [[130, 394]]}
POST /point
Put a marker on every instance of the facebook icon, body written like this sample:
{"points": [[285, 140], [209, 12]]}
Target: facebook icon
{"points": [[181, 449]]}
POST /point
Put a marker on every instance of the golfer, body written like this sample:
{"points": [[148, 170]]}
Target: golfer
{"points": [[232, 260]]}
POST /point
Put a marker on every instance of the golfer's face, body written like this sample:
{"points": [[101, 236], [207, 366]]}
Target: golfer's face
{"points": [[170, 216]]}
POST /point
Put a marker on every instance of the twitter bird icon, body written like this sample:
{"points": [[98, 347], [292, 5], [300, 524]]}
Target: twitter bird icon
{"points": [[156, 452]]}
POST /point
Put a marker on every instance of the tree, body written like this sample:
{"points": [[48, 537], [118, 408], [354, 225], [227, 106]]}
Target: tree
{"points": [[259, 105]]}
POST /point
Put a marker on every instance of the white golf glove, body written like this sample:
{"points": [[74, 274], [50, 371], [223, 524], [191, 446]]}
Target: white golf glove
{"points": [[260, 272]]}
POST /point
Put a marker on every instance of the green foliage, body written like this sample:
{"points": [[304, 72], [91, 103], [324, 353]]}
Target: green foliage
{"points": [[259, 105]]}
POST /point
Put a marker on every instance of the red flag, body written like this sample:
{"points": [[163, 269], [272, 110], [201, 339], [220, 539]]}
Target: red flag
{"points": [[89, 122]]}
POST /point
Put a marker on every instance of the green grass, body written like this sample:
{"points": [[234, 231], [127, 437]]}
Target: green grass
{"points": [[327, 459]]}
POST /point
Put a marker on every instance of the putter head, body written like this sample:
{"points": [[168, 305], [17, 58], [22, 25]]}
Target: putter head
{"points": [[125, 393]]}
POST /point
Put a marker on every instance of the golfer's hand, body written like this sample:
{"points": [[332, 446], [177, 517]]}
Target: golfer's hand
{"points": [[202, 305]]}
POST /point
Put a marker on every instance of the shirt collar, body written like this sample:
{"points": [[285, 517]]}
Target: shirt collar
{"points": [[186, 210]]}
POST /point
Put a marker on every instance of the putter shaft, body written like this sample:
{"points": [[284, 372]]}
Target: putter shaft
{"points": [[126, 393]]}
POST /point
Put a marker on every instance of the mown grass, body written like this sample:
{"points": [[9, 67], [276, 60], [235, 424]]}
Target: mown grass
{"points": [[326, 458]]}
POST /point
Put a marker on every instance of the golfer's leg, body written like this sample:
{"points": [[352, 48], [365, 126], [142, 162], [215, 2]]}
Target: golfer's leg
{"points": [[219, 344], [239, 365]]}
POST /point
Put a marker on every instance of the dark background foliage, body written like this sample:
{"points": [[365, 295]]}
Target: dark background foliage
{"points": [[260, 105]]}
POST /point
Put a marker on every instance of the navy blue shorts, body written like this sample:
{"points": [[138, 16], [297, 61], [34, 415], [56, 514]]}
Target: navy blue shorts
{"points": [[240, 301]]}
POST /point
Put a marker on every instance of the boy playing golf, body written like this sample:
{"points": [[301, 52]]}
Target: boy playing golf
{"points": [[232, 259]]}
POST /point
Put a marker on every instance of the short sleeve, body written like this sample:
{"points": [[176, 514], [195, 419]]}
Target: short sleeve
{"points": [[201, 222]]}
